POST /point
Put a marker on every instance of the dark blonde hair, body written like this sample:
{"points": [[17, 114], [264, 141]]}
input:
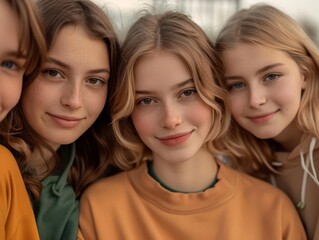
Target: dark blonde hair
{"points": [[94, 147], [178, 34], [268, 26]]}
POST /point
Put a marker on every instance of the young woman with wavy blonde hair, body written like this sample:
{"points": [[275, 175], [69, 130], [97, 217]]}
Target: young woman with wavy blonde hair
{"points": [[271, 72], [170, 116]]}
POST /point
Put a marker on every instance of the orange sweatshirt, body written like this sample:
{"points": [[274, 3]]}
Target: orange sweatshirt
{"points": [[132, 205], [291, 181], [16, 215]]}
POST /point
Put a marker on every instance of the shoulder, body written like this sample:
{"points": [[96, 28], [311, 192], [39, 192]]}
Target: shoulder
{"points": [[7, 161], [5, 153], [264, 197], [251, 183], [106, 187], [256, 189]]}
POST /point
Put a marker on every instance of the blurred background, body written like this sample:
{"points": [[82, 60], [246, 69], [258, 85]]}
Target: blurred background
{"points": [[209, 14]]}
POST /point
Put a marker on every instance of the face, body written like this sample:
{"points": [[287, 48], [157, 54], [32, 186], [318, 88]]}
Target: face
{"points": [[169, 116], [11, 65], [70, 92], [265, 87]]}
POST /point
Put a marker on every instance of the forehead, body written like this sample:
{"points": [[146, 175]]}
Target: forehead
{"points": [[75, 47], [9, 39], [160, 68], [244, 57]]}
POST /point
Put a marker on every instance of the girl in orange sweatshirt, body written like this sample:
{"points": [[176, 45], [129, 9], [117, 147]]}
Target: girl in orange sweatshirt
{"points": [[170, 117], [22, 47], [272, 77]]}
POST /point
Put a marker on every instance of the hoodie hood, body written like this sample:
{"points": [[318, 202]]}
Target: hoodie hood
{"points": [[298, 178], [292, 159]]}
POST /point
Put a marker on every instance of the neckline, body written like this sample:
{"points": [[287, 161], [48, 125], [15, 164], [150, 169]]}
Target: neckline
{"points": [[152, 173], [152, 191]]}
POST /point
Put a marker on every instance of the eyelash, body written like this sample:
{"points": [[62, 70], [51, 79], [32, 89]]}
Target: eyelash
{"points": [[13, 66], [232, 86], [276, 75], [142, 101], [151, 101], [57, 74], [101, 82], [50, 71], [192, 90]]}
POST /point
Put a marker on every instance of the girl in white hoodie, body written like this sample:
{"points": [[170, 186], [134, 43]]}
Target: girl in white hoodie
{"points": [[271, 70]]}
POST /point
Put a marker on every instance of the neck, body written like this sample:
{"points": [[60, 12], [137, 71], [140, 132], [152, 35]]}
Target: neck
{"points": [[290, 137], [192, 175], [41, 162]]}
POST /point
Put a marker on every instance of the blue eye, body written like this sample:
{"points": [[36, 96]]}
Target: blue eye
{"points": [[237, 85], [9, 64], [271, 77]]}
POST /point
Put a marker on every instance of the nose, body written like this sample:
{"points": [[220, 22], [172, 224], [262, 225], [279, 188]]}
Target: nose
{"points": [[172, 116], [257, 96], [71, 97]]}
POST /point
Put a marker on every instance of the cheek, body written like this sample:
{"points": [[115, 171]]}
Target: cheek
{"points": [[13, 96], [288, 97], [237, 104], [10, 92], [95, 104], [35, 96], [143, 123], [201, 113]]}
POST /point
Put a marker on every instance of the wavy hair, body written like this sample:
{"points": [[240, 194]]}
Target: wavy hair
{"points": [[268, 26], [176, 33], [94, 147], [31, 37], [31, 45]]}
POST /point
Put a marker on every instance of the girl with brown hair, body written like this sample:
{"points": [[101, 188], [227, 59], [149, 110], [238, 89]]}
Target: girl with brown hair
{"points": [[59, 132]]}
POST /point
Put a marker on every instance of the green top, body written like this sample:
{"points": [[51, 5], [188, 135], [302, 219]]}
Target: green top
{"points": [[57, 211]]}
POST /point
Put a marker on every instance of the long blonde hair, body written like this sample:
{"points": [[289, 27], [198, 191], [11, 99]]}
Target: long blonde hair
{"points": [[177, 33], [268, 26]]}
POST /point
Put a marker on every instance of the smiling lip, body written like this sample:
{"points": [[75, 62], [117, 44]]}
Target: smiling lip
{"points": [[262, 118], [175, 139], [65, 121]]}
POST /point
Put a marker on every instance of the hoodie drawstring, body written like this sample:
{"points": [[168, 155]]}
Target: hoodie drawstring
{"points": [[312, 173]]}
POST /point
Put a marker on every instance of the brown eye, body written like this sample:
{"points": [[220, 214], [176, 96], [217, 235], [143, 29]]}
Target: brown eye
{"points": [[52, 73], [96, 81], [188, 93]]}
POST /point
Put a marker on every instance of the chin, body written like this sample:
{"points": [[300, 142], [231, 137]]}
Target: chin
{"points": [[64, 140], [265, 136]]}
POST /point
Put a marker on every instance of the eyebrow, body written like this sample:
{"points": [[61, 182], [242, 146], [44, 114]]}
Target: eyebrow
{"points": [[263, 69], [15, 54], [61, 64], [179, 85]]}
